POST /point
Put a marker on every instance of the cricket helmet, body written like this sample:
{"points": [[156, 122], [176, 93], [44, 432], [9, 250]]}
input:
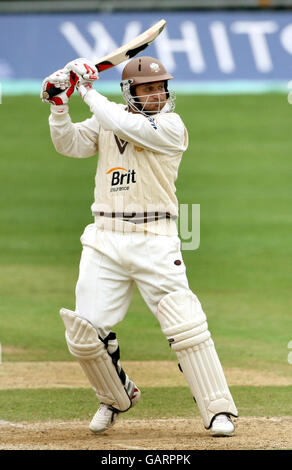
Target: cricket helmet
{"points": [[142, 70]]}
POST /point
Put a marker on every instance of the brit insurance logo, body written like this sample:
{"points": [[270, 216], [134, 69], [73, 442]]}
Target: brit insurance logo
{"points": [[121, 178]]}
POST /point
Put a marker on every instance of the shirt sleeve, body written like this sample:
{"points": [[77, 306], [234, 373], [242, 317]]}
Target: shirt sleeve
{"points": [[163, 133], [79, 140]]}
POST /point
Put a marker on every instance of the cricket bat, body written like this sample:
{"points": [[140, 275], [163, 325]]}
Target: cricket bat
{"points": [[123, 53]]}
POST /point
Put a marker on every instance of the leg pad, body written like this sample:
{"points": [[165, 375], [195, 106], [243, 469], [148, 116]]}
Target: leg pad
{"points": [[97, 364], [184, 323]]}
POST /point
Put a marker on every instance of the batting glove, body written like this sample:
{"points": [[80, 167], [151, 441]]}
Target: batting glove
{"points": [[64, 81], [86, 73]]}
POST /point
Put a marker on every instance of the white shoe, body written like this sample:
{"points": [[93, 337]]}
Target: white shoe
{"points": [[222, 426], [106, 416]]}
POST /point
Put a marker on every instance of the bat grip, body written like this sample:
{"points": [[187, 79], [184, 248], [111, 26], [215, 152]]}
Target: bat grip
{"points": [[51, 92]]}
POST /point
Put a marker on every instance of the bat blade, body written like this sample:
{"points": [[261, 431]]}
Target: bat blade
{"points": [[123, 53], [132, 48], [106, 64]]}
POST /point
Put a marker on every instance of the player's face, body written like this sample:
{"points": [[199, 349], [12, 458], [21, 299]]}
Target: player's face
{"points": [[152, 96]]}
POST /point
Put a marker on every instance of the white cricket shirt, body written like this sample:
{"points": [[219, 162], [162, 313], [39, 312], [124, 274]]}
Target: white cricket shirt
{"points": [[138, 161]]}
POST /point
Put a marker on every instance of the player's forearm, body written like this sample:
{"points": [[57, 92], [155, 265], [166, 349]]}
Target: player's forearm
{"points": [[134, 128], [111, 116], [67, 137]]}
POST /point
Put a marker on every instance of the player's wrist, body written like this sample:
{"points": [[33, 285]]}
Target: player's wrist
{"points": [[83, 89], [93, 97], [87, 98], [61, 109]]}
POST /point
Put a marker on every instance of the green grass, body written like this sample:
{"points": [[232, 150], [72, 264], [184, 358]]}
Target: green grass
{"points": [[238, 168], [80, 404]]}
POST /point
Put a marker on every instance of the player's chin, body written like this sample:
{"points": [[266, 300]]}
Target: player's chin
{"points": [[154, 108]]}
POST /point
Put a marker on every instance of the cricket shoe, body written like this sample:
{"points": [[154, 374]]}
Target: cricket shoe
{"points": [[106, 416], [222, 426]]}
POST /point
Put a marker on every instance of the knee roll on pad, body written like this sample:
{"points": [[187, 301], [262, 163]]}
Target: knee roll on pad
{"points": [[182, 320], [97, 364], [185, 325]]}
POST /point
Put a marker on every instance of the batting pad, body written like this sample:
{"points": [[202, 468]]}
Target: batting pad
{"points": [[84, 344], [185, 325]]}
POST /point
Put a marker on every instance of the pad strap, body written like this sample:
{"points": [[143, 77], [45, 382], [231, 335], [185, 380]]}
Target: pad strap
{"points": [[103, 372]]}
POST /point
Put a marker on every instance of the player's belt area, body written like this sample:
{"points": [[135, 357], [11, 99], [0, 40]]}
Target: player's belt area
{"points": [[137, 217]]}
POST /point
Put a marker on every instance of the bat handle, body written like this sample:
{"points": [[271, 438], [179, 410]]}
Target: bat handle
{"points": [[51, 92]]}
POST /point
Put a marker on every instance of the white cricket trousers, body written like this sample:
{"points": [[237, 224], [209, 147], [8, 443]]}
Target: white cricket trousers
{"points": [[111, 262]]}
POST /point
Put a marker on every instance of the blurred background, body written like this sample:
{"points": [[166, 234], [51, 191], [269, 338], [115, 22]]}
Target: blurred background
{"points": [[231, 61], [209, 45]]}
